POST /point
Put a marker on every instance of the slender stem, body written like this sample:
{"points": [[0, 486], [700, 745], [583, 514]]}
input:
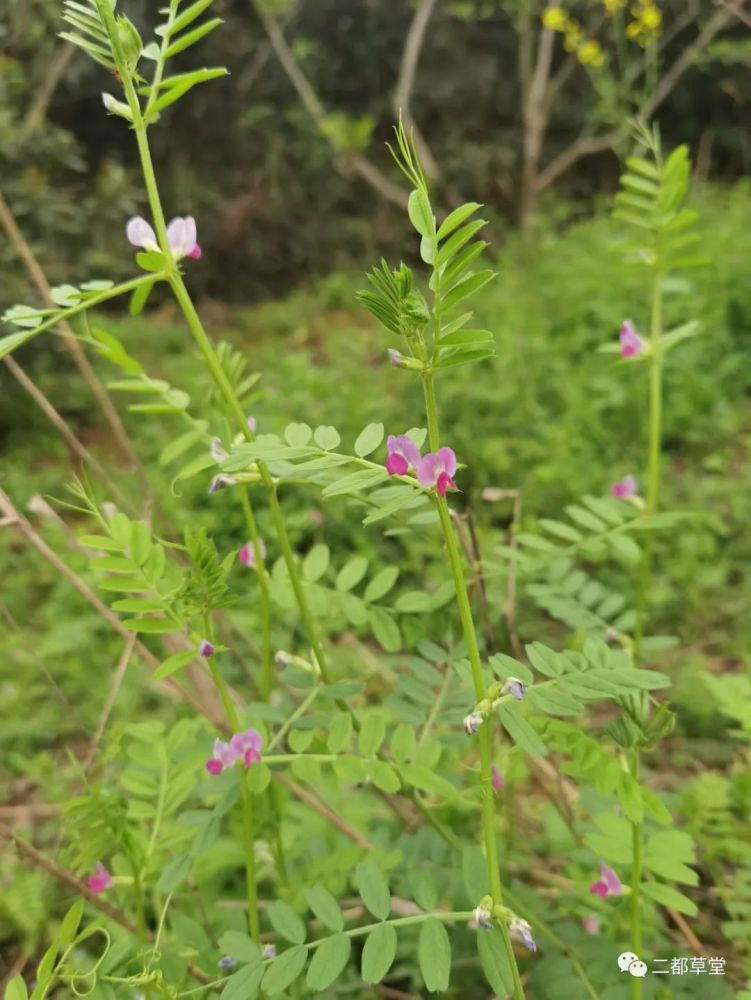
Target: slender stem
{"points": [[645, 582], [267, 661], [289, 723], [485, 734], [251, 875]]}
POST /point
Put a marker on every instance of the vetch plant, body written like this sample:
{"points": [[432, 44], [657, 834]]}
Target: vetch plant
{"points": [[419, 733]]}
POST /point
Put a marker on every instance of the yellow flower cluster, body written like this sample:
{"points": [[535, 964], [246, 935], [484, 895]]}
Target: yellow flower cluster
{"points": [[589, 52], [647, 23], [613, 6]]}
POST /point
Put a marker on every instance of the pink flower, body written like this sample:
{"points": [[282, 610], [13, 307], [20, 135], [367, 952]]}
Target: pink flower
{"points": [[100, 880], [631, 342], [247, 554], [242, 746], [608, 885], [206, 648], [403, 453], [247, 746], [497, 780], [181, 234], [624, 489], [436, 469]]}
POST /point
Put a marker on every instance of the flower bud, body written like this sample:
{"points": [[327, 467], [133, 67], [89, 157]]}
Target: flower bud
{"points": [[282, 660], [218, 451], [516, 688], [227, 962], [268, 951], [206, 648], [483, 917], [521, 930], [115, 107], [472, 723]]}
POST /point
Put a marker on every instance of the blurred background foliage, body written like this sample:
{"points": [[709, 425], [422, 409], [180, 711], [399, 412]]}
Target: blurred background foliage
{"points": [[281, 196]]}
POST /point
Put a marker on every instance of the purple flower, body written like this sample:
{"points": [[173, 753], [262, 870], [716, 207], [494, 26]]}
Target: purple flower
{"points": [[437, 469], [521, 930], [206, 648], [608, 885], [496, 780], [100, 880], [625, 488], [247, 554], [403, 453], [631, 343], [516, 688], [227, 962], [181, 235]]}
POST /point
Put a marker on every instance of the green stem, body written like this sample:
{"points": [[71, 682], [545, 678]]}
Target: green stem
{"points": [[267, 660], [645, 582], [216, 370], [485, 734]]}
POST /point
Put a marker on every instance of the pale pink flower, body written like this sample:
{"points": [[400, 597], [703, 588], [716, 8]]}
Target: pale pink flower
{"points": [[403, 454], [631, 343], [181, 234], [224, 757], [100, 880], [625, 488], [496, 780], [437, 469], [247, 554], [591, 924]]}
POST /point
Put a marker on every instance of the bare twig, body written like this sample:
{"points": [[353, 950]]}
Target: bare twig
{"points": [[117, 680], [306, 796], [59, 423], [406, 82], [493, 494], [535, 121], [16, 519], [77, 885], [737, 11], [8, 223], [55, 70], [587, 145], [345, 163]]}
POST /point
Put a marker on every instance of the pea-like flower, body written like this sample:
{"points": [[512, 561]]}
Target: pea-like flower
{"points": [[403, 454], [437, 469], [227, 962], [631, 343], [244, 746], [206, 648], [282, 659], [608, 884], [516, 688], [100, 880], [181, 235], [625, 488], [521, 930], [496, 779], [483, 917], [247, 554], [591, 924]]}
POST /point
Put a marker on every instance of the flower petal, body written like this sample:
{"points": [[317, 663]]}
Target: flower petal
{"points": [[448, 460], [427, 470], [611, 880], [409, 449], [140, 233]]}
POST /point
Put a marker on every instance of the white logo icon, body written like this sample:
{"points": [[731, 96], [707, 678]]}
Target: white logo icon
{"points": [[631, 963]]}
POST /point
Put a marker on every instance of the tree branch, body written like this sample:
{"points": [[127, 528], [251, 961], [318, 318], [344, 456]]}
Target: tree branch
{"points": [[346, 163], [406, 82]]}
